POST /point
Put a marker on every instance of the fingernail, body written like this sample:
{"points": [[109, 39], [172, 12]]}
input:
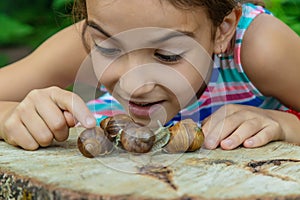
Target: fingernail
{"points": [[210, 143], [228, 142], [90, 121], [249, 143]]}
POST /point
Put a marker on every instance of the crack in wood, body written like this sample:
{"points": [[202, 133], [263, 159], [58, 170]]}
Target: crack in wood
{"points": [[257, 168], [256, 164], [221, 161], [207, 161], [164, 174]]}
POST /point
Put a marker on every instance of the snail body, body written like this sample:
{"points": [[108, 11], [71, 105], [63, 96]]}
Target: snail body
{"points": [[185, 136], [94, 142]]}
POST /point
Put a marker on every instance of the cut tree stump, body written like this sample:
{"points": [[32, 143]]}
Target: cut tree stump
{"points": [[61, 172]]}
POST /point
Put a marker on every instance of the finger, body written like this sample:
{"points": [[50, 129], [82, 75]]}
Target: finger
{"points": [[54, 118], [263, 137], [207, 128], [217, 117], [75, 105], [209, 123], [36, 126], [247, 129], [18, 135], [70, 119], [223, 129]]}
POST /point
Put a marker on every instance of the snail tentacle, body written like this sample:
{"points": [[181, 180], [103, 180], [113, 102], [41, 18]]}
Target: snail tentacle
{"points": [[162, 137], [159, 144], [117, 142]]}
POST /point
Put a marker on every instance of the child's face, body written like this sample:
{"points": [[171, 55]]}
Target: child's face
{"points": [[154, 58]]}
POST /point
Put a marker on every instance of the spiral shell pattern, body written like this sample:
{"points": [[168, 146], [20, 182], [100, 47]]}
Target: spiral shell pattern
{"points": [[94, 142], [186, 136]]}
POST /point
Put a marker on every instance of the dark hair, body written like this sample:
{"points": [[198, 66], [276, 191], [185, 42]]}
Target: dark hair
{"points": [[79, 11], [216, 9]]}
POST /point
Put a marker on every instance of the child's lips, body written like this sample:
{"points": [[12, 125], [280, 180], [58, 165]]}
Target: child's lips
{"points": [[142, 109]]}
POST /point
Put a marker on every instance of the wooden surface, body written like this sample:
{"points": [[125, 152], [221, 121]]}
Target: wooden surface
{"points": [[61, 172]]}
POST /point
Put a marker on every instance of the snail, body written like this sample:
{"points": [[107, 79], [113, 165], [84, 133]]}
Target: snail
{"points": [[113, 125], [94, 142], [133, 137], [185, 136], [137, 139]]}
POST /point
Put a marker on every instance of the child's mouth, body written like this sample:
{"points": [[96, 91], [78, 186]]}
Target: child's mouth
{"points": [[142, 109]]}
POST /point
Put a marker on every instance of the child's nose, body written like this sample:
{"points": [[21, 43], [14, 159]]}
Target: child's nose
{"points": [[137, 80]]}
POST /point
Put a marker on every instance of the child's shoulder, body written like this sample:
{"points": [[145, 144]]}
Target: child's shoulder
{"points": [[264, 50], [249, 13]]}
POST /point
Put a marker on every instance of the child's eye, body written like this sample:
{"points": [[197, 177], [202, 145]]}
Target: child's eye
{"points": [[165, 57], [108, 51]]}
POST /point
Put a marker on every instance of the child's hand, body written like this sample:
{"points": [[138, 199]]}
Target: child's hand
{"points": [[44, 115], [233, 125]]}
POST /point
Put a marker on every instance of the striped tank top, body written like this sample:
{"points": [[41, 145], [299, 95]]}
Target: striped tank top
{"points": [[228, 84]]}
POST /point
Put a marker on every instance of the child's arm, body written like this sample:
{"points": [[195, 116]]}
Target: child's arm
{"points": [[32, 111], [271, 59], [55, 62]]}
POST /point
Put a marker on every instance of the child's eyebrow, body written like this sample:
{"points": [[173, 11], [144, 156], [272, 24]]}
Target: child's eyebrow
{"points": [[94, 25], [172, 34]]}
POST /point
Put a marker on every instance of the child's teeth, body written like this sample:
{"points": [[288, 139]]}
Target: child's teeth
{"points": [[142, 104]]}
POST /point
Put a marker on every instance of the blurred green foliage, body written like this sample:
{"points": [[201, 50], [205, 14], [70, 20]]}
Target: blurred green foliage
{"points": [[30, 22], [287, 11], [3, 59]]}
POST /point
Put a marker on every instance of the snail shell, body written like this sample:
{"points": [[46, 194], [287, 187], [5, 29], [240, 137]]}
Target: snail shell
{"points": [[137, 139], [94, 142], [186, 136], [113, 125]]}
